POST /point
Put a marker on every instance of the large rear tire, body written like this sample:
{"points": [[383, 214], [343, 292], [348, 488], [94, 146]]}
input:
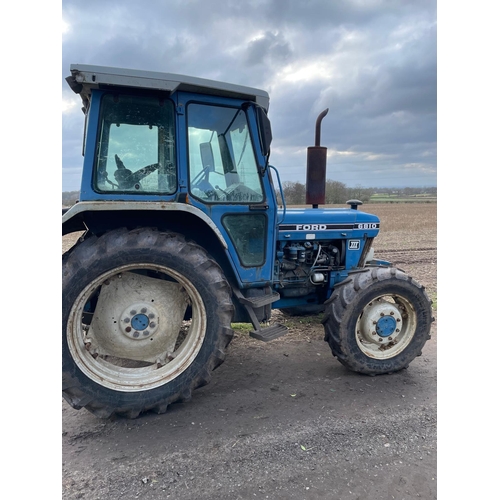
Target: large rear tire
{"points": [[377, 321], [146, 318]]}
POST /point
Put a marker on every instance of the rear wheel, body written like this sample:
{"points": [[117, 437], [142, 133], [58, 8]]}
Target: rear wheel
{"points": [[377, 321], [146, 318]]}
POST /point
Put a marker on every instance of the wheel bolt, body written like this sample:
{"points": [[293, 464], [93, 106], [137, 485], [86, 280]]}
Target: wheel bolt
{"points": [[382, 314], [128, 329], [144, 310], [392, 313], [374, 333], [397, 330], [390, 338]]}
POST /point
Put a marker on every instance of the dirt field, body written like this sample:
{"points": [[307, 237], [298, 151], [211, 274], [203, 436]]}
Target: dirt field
{"points": [[280, 420]]}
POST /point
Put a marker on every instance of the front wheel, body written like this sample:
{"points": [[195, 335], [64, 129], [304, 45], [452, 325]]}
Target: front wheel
{"points": [[146, 318], [377, 321]]}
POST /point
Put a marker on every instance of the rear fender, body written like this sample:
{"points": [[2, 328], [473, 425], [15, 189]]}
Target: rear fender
{"points": [[84, 214], [99, 217]]}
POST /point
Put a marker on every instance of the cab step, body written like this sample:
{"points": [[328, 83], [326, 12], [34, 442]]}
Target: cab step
{"points": [[262, 300], [269, 333], [250, 304]]}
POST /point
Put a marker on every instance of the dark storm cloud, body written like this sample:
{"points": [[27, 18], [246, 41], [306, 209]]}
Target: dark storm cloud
{"points": [[371, 62], [271, 47]]}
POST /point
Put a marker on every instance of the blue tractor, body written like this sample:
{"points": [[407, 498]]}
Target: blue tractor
{"points": [[182, 235]]}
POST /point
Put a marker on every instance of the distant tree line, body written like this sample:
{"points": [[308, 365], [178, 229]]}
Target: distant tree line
{"points": [[295, 193], [338, 193], [335, 193]]}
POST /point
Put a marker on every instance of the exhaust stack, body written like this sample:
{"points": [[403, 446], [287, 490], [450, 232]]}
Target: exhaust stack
{"points": [[316, 168]]}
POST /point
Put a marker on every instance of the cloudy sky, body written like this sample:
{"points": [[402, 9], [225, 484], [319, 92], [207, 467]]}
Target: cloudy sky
{"points": [[371, 62]]}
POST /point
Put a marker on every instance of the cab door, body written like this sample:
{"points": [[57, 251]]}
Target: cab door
{"points": [[226, 179]]}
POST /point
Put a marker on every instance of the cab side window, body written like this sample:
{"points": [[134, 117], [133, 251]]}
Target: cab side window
{"points": [[222, 164], [136, 149]]}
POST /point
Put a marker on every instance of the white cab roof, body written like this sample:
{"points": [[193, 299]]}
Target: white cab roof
{"points": [[84, 77]]}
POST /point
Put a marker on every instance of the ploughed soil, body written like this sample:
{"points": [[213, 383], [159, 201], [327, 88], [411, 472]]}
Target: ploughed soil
{"points": [[280, 420]]}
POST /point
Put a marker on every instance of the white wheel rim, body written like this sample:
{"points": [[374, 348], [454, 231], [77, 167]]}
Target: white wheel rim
{"points": [[386, 326], [158, 349]]}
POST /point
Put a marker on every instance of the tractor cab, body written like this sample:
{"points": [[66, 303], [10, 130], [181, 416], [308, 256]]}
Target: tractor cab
{"points": [[180, 149]]}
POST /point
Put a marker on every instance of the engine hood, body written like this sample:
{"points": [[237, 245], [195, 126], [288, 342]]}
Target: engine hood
{"points": [[329, 216], [326, 224]]}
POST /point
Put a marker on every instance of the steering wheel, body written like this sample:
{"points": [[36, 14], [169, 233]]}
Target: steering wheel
{"points": [[127, 179]]}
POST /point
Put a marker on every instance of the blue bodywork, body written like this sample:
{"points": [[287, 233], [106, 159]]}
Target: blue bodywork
{"points": [[302, 253]]}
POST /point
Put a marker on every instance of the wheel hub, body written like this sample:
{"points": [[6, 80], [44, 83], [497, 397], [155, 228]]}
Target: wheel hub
{"points": [[380, 323], [386, 326], [139, 321], [137, 318]]}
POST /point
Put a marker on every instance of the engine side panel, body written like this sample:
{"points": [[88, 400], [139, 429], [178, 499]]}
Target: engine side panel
{"points": [[316, 248]]}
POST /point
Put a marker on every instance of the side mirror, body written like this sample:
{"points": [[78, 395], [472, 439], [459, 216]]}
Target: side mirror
{"points": [[265, 133]]}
